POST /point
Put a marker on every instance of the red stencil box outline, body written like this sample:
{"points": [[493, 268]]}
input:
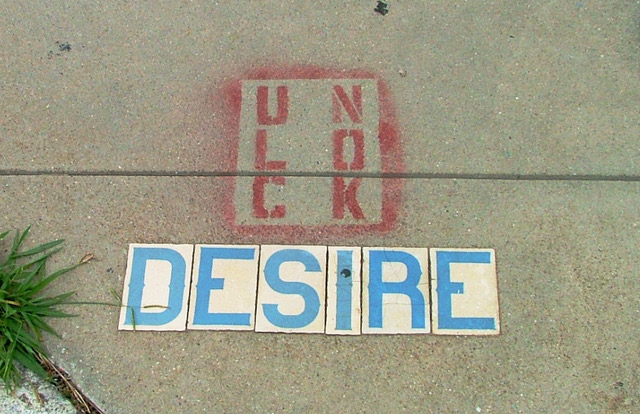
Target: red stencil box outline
{"points": [[390, 150]]}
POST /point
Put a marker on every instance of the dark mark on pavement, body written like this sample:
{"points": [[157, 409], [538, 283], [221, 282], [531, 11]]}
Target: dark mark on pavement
{"points": [[59, 48], [382, 8]]}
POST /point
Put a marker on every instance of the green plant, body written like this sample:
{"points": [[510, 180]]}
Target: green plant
{"points": [[24, 307]]}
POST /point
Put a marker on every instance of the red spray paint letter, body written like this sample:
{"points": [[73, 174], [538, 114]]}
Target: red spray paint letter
{"points": [[358, 149], [259, 210], [261, 162], [348, 196], [263, 106], [352, 106]]}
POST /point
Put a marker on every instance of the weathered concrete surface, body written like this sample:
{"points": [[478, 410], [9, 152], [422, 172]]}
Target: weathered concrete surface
{"points": [[566, 274], [34, 396], [495, 87]]}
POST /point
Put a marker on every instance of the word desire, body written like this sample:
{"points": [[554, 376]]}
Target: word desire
{"points": [[311, 289]]}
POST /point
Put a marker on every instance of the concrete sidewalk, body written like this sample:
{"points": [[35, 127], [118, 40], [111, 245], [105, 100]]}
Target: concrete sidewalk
{"points": [[513, 126]]}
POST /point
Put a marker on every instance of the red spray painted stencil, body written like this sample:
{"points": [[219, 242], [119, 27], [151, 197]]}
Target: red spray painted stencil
{"points": [[302, 137]]}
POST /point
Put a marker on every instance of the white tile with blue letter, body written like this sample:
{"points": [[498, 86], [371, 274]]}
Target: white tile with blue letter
{"points": [[464, 288], [395, 291], [156, 287], [223, 288], [344, 280], [336, 290], [291, 289]]}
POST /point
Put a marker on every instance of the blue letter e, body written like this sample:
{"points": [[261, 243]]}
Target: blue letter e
{"points": [[446, 288]]}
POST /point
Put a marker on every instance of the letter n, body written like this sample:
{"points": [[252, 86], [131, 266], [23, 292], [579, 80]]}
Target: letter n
{"points": [[352, 106]]}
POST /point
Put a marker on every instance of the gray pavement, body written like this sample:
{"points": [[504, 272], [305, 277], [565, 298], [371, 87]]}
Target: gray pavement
{"points": [[34, 396], [517, 129]]}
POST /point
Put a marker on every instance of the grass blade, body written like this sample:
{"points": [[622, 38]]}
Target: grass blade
{"points": [[23, 307], [38, 249], [47, 280]]}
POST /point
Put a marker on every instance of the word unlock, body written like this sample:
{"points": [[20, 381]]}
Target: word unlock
{"points": [[311, 289], [343, 194], [335, 127]]}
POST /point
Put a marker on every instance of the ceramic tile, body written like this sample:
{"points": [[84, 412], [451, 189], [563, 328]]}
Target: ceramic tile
{"points": [[344, 284], [223, 287], [291, 289], [395, 291], [156, 287], [464, 288]]}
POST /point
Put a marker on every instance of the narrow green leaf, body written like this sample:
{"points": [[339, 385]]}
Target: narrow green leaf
{"points": [[42, 258], [47, 280], [17, 241], [115, 295], [117, 305], [29, 278], [52, 301], [23, 311], [30, 361], [133, 319], [44, 326], [39, 249]]}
